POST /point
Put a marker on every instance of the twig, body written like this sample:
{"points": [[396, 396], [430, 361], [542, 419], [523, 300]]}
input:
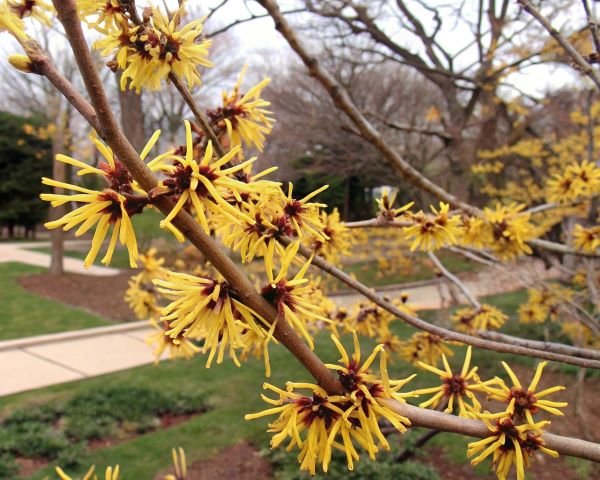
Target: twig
{"points": [[593, 26], [445, 422], [444, 333], [343, 101], [44, 66], [540, 345], [579, 60], [454, 279]]}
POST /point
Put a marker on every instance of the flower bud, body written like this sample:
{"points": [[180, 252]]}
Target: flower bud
{"points": [[22, 63]]}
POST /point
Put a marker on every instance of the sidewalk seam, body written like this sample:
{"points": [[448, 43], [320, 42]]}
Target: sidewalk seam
{"points": [[54, 362]]}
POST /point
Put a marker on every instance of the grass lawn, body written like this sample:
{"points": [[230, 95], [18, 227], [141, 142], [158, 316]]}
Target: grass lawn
{"points": [[120, 257], [231, 392], [24, 314]]}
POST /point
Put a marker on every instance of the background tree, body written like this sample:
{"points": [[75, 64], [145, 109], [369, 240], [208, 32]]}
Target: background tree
{"points": [[25, 155]]}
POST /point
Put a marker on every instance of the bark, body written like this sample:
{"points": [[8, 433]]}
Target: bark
{"points": [[132, 116]]}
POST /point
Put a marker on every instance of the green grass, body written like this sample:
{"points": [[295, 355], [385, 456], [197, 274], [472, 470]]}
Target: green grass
{"points": [[232, 392], [120, 257], [25, 314]]}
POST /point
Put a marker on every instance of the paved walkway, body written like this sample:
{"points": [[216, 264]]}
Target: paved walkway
{"points": [[35, 362], [19, 252]]}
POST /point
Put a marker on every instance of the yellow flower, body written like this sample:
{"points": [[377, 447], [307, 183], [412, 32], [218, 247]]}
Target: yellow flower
{"points": [[204, 183], [149, 53], [510, 444], [12, 23], [142, 298], [292, 297], [108, 13], [336, 240], [41, 10], [523, 403], [456, 387], [179, 464], [315, 422], [112, 206], [304, 215], [179, 346], [110, 474], [469, 320], [244, 117], [425, 347], [531, 313], [103, 209], [433, 232], [586, 239], [206, 308], [386, 206], [309, 416], [22, 63], [508, 230]]}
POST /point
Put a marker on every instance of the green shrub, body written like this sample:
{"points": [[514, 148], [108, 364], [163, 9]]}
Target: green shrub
{"points": [[39, 442], [286, 467], [84, 427], [40, 414], [71, 457], [8, 468]]}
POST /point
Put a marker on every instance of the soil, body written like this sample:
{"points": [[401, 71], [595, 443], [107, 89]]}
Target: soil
{"points": [[240, 462], [102, 296], [28, 466], [541, 468]]}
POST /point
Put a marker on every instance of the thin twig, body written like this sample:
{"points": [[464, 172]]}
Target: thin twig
{"points": [[454, 279], [541, 345], [342, 100], [444, 333], [579, 60]]}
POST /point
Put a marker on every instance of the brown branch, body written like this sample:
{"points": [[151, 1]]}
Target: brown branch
{"points": [[43, 65], [343, 101], [445, 422], [444, 333], [541, 345], [593, 26], [579, 60], [199, 114], [113, 136]]}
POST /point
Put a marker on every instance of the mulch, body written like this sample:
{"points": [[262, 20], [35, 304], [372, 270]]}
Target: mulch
{"points": [[102, 296], [241, 461]]}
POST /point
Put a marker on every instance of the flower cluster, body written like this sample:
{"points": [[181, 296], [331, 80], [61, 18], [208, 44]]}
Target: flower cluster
{"points": [[431, 232], [423, 347], [578, 180], [317, 423], [470, 320], [112, 206], [543, 303], [147, 51], [457, 389], [243, 117]]}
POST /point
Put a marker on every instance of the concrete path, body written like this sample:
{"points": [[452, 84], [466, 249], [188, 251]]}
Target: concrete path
{"points": [[35, 362], [18, 252], [488, 281]]}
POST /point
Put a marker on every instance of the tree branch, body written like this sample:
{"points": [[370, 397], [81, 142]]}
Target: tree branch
{"points": [[113, 136]]}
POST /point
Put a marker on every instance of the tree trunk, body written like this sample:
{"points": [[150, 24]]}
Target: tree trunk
{"points": [[58, 173], [132, 116]]}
